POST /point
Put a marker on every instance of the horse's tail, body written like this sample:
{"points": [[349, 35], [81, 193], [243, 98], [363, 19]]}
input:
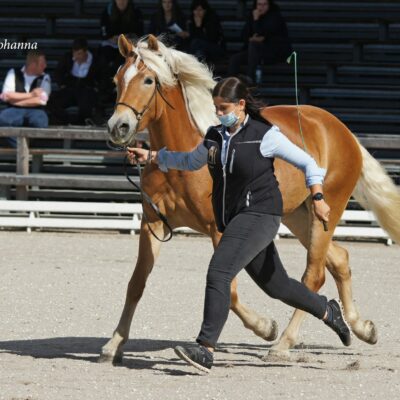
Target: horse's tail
{"points": [[376, 191]]}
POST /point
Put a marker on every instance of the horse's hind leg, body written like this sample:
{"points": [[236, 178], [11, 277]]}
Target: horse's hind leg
{"points": [[148, 251], [308, 230], [338, 266]]}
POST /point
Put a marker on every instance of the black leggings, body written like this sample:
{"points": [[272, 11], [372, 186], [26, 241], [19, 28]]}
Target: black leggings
{"points": [[248, 243]]}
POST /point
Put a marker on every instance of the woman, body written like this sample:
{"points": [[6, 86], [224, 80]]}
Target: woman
{"points": [[205, 32], [247, 206], [170, 21], [265, 38]]}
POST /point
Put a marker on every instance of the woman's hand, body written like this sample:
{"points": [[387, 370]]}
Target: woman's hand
{"points": [[256, 14], [322, 210], [183, 34], [256, 38], [136, 155]]}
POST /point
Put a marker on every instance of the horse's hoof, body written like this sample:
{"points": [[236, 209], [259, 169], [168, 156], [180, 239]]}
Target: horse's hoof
{"points": [[267, 330], [277, 355], [372, 332], [110, 358]]}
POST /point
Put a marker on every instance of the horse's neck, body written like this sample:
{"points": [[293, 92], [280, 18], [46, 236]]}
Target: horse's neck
{"points": [[174, 128]]}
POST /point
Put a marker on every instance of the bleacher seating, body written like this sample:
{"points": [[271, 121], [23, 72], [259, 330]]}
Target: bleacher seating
{"points": [[348, 50]]}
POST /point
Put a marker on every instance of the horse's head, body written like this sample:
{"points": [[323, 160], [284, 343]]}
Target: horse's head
{"points": [[146, 85], [137, 87]]}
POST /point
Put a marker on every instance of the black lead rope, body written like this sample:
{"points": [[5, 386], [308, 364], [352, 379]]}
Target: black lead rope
{"points": [[145, 196]]}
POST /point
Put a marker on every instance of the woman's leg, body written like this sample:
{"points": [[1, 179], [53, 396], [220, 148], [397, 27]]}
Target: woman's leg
{"points": [[268, 272], [245, 236], [235, 63], [254, 58]]}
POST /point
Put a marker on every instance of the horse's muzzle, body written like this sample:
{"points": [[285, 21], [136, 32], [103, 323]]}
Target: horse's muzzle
{"points": [[121, 131]]}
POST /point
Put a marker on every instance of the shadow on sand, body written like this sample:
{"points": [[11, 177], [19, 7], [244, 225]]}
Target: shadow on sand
{"points": [[137, 352]]}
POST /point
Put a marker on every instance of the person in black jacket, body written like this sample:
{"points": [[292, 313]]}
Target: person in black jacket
{"points": [[77, 77], [170, 21], [265, 39], [119, 16], [247, 204], [205, 32]]}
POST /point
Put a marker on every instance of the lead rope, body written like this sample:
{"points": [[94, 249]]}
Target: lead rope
{"points": [[145, 196], [289, 60]]}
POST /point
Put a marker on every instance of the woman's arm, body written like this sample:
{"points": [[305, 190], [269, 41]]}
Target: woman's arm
{"points": [[275, 144], [185, 161]]}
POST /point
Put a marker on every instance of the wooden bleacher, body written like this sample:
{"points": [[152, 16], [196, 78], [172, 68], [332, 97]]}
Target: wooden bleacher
{"points": [[348, 55]]}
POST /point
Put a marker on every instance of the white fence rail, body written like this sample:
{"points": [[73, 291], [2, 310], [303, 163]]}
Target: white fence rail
{"points": [[118, 216]]}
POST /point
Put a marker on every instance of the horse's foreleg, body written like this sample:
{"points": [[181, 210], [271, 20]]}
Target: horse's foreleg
{"points": [[148, 251], [338, 266], [264, 327]]}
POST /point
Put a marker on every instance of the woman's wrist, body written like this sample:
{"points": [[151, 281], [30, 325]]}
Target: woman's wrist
{"points": [[152, 157]]}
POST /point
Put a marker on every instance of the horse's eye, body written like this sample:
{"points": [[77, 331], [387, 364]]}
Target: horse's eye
{"points": [[148, 81]]}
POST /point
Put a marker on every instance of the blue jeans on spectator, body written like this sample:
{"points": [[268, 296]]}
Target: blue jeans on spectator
{"points": [[21, 116]]}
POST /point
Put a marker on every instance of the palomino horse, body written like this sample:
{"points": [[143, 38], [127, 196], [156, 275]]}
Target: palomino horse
{"points": [[168, 92]]}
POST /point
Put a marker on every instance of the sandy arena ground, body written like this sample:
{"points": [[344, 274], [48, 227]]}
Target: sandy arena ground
{"points": [[61, 295]]}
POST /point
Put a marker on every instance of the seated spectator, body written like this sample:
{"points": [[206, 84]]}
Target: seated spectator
{"points": [[265, 39], [170, 21], [76, 76], [205, 32], [26, 91], [119, 16]]}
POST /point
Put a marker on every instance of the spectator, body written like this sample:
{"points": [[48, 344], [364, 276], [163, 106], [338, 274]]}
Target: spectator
{"points": [[206, 36], [265, 39], [170, 21], [119, 16], [26, 92], [76, 76]]}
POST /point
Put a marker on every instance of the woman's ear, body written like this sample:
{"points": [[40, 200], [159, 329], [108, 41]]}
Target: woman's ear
{"points": [[242, 104]]}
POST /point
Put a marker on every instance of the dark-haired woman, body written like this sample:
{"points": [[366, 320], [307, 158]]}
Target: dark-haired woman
{"points": [[205, 32], [265, 39], [119, 16], [247, 206], [170, 21]]}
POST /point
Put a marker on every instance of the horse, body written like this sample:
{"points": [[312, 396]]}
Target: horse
{"points": [[169, 93]]}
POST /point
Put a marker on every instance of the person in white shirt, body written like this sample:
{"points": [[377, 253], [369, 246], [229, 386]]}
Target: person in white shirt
{"points": [[26, 91], [76, 76]]}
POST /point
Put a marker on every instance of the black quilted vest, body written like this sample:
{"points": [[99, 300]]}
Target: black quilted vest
{"points": [[247, 181], [20, 85]]}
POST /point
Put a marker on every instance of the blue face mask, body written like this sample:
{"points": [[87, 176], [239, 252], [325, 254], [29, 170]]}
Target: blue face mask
{"points": [[228, 120]]}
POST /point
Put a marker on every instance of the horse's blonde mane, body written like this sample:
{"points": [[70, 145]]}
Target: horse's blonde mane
{"points": [[171, 66]]}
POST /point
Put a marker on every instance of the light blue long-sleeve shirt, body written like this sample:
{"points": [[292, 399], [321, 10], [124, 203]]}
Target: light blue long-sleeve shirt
{"points": [[274, 144]]}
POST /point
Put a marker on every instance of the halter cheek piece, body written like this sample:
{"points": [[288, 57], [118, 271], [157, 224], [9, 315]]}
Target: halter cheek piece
{"points": [[138, 114]]}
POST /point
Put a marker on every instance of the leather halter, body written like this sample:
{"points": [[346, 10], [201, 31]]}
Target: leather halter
{"points": [[138, 114]]}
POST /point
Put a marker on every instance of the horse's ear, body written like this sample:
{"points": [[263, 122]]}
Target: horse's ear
{"points": [[152, 43], [125, 46]]}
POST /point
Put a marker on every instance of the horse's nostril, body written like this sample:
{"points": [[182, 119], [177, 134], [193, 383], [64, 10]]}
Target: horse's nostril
{"points": [[123, 128]]}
